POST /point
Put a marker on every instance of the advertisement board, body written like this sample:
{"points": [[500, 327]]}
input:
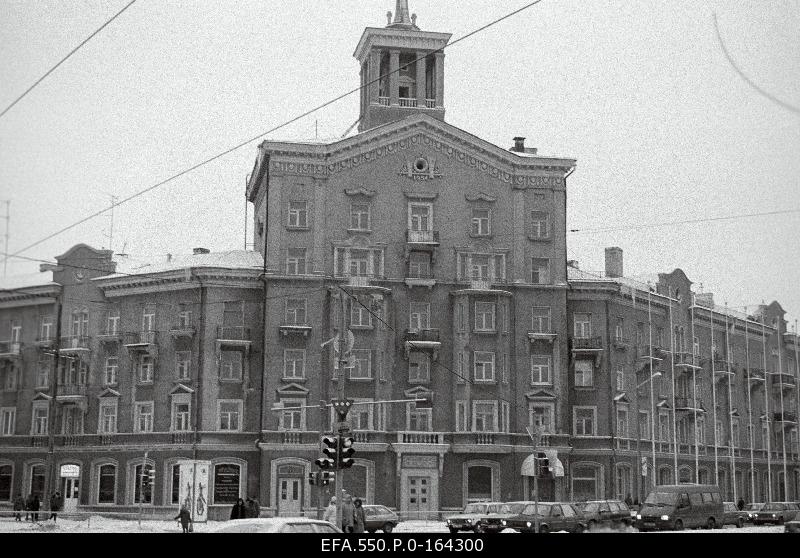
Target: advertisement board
{"points": [[194, 488]]}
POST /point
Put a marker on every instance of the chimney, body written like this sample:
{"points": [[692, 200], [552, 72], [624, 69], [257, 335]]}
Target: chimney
{"points": [[198, 251], [704, 299], [519, 145], [614, 267]]}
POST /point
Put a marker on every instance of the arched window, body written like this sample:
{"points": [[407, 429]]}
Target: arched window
{"points": [[37, 480], [107, 484], [142, 489], [6, 472], [585, 482], [684, 475], [226, 483], [623, 482], [704, 476], [175, 487], [665, 475], [479, 484]]}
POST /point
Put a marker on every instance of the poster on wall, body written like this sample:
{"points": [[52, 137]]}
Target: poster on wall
{"points": [[194, 488]]}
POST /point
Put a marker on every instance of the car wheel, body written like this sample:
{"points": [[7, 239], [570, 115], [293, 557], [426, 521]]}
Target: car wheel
{"points": [[579, 528], [780, 520], [739, 523], [711, 524], [679, 525], [388, 528], [544, 529], [453, 530]]}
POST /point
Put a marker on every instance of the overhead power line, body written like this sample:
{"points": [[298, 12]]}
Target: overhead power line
{"points": [[262, 134], [685, 222], [73, 51]]}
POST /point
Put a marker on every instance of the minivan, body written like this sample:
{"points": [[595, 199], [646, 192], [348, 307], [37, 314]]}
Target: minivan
{"points": [[676, 506]]}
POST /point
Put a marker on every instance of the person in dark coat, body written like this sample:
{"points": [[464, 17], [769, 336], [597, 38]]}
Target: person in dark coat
{"points": [[56, 505], [28, 506], [347, 513], [358, 516], [35, 505], [628, 500], [19, 506], [740, 504], [253, 508], [239, 510], [185, 518]]}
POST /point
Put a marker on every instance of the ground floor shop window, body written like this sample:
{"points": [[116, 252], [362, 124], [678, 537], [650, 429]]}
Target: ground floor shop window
{"points": [[107, 484], [665, 475], [5, 482], [585, 482], [175, 493], [479, 484], [226, 483], [143, 490]]}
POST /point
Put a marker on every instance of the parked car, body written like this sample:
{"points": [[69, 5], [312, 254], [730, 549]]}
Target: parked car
{"points": [[791, 527], [553, 516], [379, 518], [277, 525], [493, 522], [469, 519], [776, 512], [608, 513], [733, 516], [677, 506], [751, 509]]}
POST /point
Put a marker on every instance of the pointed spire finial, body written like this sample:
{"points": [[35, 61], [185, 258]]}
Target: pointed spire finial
{"points": [[402, 17]]}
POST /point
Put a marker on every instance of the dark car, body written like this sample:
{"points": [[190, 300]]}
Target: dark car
{"points": [[605, 513], [791, 527], [379, 518], [776, 512], [733, 516], [469, 519], [493, 521], [751, 509], [553, 516]]}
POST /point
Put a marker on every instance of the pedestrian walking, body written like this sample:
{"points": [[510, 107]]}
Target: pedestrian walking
{"points": [[56, 505], [358, 516], [253, 508], [35, 505], [628, 500], [28, 506], [239, 510], [347, 513], [330, 511], [740, 504], [185, 518], [19, 506]]}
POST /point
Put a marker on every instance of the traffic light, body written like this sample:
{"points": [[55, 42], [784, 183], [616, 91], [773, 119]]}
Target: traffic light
{"points": [[346, 452], [330, 451], [328, 477], [151, 475], [342, 407], [312, 478]]}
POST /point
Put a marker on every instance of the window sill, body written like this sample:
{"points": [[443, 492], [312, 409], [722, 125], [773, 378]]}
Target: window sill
{"points": [[543, 385], [485, 332], [150, 383], [362, 327], [419, 382], [229, 430], [182, 381], [297, 229], [584, 388], [295, 380], [359, 231], [485, 382], [362, 380]]}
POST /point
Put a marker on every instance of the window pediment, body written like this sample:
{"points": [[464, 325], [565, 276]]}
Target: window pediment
{"points": [[541, 394], [481, 196], [416, 392], [180, 388], [42, 397], [360, 192], [108, 392], [292, 390]]}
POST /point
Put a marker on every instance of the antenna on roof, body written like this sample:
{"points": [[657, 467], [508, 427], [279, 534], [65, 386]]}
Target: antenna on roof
{"points": [[122, 253]]}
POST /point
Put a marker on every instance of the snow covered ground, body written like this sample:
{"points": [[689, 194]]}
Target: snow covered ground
{"points": [[97, 524]]}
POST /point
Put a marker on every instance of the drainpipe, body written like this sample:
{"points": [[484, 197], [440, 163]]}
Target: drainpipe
{"points": [[198, 399], [264, 333], [612, 407]]}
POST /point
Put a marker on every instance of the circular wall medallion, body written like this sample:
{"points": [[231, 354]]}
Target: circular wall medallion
{"points": [[421, 165]]}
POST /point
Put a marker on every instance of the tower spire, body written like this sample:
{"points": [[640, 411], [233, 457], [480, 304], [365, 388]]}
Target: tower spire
{"points": [[402, 17]]}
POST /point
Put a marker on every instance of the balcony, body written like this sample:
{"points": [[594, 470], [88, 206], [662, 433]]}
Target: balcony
{"points": [[295, 329], [542, 336], [46, 342], [182, 331], [648, 352], [233, 336], [407, 102], [757, 376], [383, 101], [420, 438], [718, 364], [10, 350], [687, 404], [421, 340], [110, 337], [725, 374], [586, 344], [141, 341], [430, 103], [71, 390], [425, 238], [74, 344], [789, 417], [420, 279], [621, 343], [783, 380], [686, 360]]}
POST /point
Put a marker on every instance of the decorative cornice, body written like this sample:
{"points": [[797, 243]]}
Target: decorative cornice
{"points": [[481, 196], [421, 196]]}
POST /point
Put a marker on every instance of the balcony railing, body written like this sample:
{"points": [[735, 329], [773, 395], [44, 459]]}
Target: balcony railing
{"points": [[182, 330], [587, 343], [423, 335], [688, 404], [684, 358], [71, 390], [786, 416], [406, 102], [10, 349], [757, 375], [383, 101], [233, 333], [621, 342], [430, 103], [420, 437], [422, 237], [784, 380], [719, 364], [75, 343], [142, 338], [648, 352], [46, 341], [110, 336]]}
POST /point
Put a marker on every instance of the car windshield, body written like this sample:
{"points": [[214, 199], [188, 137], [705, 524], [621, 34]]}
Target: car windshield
{"points": [[512, 508], [544, 509], [754, 507], [591, 507], [661, 499], [475, 508], [493, 508]]}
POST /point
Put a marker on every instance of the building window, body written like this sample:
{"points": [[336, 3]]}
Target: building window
{"points": [[584, 483], [481, 222], [481, 267], [505, 416], [419, 368], [484, 366], [107, 423], [620, 377], [142, 492], [43, 373], [294, 364], [541, 319], [292, 417], [181, 412], [360, 217], [663, 427], [296, 311], [183, 365], [184, 317], [5, 482], [540, 415], [361, 414], [644, 425], [462, 413], [37, 476], [112, 323], [540, 225], [296, 261], [619, 329], [148, 319], [584, 371], [359, 315], [540, 271], [420, 216], [230, 415], [230, 368], [541, 370], [484, 316], [46, 330], [584, 421], [462, 320], [583, 325], [226, 483], [696, 346], [9, 382], [622, 422], [298, 215], [175, 488], [146, 367], [419, 265], [39, 415], [8, 420], [419, 316], [144, 416], [363, 365], [418, 420], [479, 484], [111, 369], [107, 484], [352, 262]]}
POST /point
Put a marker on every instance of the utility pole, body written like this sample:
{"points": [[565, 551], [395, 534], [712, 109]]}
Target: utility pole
{"points": [[340, 397], [6, 249], [141, 487], [52, 407], [322, 420]]}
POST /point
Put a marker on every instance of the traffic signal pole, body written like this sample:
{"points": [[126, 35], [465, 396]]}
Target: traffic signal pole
{"points": [[141, 488], [340, 397]]}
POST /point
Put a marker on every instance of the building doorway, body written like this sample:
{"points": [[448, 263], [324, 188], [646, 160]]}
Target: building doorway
{"points": [[290, 496], [70, 487], [418, 497]]}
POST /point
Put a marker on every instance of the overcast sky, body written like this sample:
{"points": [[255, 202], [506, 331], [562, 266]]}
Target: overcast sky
{"points": [[639, 92]]}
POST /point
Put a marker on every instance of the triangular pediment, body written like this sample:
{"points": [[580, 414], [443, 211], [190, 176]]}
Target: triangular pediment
{"points": [[108, 392], [414, 392], [663, 404], [180, 388], [540, 394], [292, 389], [41, 397], [621, 398]]}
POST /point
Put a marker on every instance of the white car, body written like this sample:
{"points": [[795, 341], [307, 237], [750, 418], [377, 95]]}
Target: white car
{"points": [[277, 525]]}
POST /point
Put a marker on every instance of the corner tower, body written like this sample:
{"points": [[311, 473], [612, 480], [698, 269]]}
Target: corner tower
{"points": [[404, 68]]}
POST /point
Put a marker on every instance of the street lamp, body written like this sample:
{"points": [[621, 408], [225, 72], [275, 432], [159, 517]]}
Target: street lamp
{"points": [[639, 429]]}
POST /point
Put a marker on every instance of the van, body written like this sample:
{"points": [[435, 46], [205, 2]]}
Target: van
{"points": [[678, 506]]}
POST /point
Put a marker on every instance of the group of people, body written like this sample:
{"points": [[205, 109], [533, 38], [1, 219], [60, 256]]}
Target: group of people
{"points": [[245, 510], [31, 506], [352, 514]]}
